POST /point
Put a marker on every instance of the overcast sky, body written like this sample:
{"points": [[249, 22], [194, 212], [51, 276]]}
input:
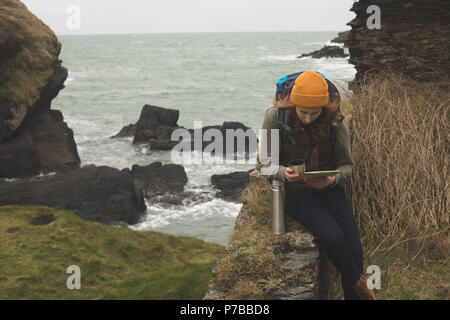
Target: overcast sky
{"points": [[155, 16]]}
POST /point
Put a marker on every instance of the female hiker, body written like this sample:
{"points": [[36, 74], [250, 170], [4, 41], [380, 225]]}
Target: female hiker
{"points": [[312, 112]]}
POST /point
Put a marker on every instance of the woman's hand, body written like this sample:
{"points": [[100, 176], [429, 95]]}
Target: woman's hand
{"points": [[320, 183], [291, 176]]}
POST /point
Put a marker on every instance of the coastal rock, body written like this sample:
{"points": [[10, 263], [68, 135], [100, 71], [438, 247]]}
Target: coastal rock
{"points": [[413, 40], [164, 185], [326, 51], [231, 185], [338, 39], [127, 131], [156, 125], [31, 76], [157, 179], [101, 194], [19, 158], [244, 139]]}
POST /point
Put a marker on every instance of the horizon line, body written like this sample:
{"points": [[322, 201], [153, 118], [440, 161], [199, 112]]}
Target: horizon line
{"points": [[188, 32]]}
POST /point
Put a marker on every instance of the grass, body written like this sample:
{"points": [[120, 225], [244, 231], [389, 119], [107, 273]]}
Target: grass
{"points": [[115, 263], [400, 185], [404, 278], [249, 257], [246, 260]]}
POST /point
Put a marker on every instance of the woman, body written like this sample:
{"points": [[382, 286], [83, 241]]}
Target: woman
{"points": [[312, 105]]}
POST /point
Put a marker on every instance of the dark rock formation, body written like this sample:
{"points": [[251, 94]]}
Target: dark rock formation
{"points": [[413, 39], [326, 51], [31, 76], [42, 144], [241, 140], [101, 194], [158, 179], [338, 39], [163, 184], [127, 131], [156, 125], [231, 185]]}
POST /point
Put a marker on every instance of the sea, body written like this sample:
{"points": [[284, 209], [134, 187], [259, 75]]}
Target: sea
{"points": [[208, 77]]}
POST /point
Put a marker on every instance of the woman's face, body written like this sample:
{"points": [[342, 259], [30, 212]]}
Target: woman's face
{"points": [[308, 115]]}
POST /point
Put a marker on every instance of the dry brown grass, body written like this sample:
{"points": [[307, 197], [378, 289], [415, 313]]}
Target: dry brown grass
{"points": [[249, 257], [400, 185], [400, 147], [246, 259]]}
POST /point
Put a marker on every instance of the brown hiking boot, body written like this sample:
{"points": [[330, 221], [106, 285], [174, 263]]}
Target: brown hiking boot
{"points": [[362, 290]]}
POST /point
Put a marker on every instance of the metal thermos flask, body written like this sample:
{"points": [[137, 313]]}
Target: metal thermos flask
{"points": [[278, 212]]}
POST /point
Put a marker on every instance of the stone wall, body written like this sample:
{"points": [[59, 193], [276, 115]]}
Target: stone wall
{"points": [[297, 270], [413, 39]]}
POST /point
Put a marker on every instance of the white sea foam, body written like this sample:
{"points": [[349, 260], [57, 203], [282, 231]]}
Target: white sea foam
{"points": [[280, 58], [329, 43], [158, 217]]}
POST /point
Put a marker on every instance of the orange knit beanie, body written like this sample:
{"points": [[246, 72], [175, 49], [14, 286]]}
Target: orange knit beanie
{"points": [[310, 90]]}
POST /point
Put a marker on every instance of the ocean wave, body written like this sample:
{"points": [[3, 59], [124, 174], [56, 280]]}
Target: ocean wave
{"points": [[159, 216], [326, 43], [329, 43], [279, 58]]}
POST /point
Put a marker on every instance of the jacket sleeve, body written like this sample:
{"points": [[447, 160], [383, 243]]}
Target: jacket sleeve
{"points": [[265, 163], [342, 154]]}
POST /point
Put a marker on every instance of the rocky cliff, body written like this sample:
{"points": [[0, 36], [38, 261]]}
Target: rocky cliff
{"points": [[33, 138], [413, 39]]}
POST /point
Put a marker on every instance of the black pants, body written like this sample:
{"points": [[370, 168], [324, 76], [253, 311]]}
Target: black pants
{"points": [[329, 216]]}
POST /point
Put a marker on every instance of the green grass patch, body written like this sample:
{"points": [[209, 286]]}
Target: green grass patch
{"points": [[115, 263], [404, 276]]}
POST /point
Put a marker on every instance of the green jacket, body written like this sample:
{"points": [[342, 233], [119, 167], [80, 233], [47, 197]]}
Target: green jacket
{"points": [[342, 151]]}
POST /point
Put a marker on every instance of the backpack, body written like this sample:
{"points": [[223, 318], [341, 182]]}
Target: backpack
{"points": [[286, 131]]}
